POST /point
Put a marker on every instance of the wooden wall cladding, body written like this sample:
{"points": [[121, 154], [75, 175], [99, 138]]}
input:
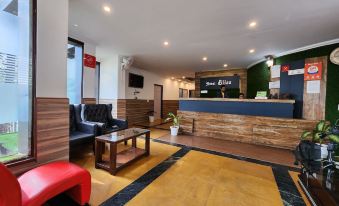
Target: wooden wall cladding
{"points": [[134, 110], [273, 132], [89, 101], [314, 104], [241, 72], [52, 133], [169, 106]]}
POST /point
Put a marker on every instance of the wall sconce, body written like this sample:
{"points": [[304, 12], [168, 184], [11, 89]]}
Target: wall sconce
{"points": [[269, 60]]}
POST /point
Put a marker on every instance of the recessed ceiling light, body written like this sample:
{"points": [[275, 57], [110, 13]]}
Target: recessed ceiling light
{"points": [[172, 78], [204, 58], [183, 77], [75, 25], [166, 43], [225, 65], [107, 9], [253, 24], [179, 80], [251, 50]]}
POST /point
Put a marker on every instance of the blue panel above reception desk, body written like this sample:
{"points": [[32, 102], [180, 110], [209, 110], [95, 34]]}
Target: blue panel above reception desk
{"points": [[252, 107]]}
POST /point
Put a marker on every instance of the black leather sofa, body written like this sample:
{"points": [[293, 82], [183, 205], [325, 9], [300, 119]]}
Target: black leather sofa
{"points": [[101, 115], [80, 132]]}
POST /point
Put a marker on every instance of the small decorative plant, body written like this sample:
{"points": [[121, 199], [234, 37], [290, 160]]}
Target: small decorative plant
{"points": [[321, 133], [176, 123]]}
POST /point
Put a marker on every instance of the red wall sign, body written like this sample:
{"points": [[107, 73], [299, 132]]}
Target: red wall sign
{"points": [[285, 68], [313, 71], [89, 61]]}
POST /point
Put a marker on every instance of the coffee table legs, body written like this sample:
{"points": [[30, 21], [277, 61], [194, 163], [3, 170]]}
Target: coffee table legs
{"points": [[98, 152], [113, 158], [147, 143]]}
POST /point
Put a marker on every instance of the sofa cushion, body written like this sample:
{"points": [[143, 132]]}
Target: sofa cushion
{"points": [[72, 122], [80, 137], [95, 113]]}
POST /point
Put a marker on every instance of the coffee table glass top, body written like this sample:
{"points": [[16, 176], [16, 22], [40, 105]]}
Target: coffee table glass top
{"points": [[122, 135]]}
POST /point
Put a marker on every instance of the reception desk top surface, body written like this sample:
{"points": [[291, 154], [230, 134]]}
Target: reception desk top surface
{"points": [[240, 100]]}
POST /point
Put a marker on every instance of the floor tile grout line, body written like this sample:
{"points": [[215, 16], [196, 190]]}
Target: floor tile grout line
{"points": [[130, 191]]}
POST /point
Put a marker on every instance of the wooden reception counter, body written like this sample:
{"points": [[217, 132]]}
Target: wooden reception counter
{"points": [[264, 122]]}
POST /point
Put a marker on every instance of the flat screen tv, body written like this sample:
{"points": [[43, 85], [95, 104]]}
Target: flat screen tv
{"points": [[135, 81]]}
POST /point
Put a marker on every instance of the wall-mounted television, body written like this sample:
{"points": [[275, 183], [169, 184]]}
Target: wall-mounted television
{"points": [[135, 81]]}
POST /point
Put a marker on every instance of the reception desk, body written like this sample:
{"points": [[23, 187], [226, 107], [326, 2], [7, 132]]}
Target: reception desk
{"points": [[264, 122], [253, 107]]}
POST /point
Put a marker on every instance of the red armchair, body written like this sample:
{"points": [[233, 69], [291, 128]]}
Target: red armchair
{"points": [[38, 185]]}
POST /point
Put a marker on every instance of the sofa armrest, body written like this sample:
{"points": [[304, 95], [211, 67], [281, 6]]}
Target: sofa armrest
{"points": [[88, 127], [121, 123]]}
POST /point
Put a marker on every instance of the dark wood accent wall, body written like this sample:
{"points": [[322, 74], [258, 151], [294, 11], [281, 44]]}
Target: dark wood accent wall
{"points": [[273, 132], [230, 72], [52, 133], [89, 101], [169, 106], [134, 110], [314, 104]]}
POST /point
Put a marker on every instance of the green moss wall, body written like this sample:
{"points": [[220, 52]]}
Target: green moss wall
{"points": [[258, 77]]}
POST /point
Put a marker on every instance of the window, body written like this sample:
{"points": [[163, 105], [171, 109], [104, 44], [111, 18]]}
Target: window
{"points": [[74, 71], [16, 79], [97, 81]]}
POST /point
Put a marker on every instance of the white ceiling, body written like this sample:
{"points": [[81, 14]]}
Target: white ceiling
{"points": [[196, 28]]}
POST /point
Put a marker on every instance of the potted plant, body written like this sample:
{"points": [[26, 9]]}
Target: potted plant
{"points": [[176, 123], [321, 133], [150, 116]]}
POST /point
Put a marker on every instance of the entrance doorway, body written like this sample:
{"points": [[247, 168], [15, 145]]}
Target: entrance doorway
{"points": [[158, 89]]}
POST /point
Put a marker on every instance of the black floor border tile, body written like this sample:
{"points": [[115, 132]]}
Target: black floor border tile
{"points": [[129, 192], [288, 190]]}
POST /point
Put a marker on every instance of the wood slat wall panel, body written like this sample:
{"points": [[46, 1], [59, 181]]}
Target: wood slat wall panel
{"points": [[314, 104], [231, 72], [169, 106], [274, 132], [52, 133], [89, 100]]}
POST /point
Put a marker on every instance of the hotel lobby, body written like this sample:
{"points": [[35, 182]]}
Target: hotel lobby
{"points": [[174, 103]]}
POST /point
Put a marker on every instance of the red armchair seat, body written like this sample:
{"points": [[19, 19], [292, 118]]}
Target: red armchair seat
{"points": [[39, 185]]}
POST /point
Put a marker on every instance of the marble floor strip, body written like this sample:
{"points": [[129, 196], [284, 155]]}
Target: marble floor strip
{"points": [[126, 194]]}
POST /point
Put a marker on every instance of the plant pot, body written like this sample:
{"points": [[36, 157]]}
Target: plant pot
{"points": [[151, 118], [174, 130], [324, 151]]}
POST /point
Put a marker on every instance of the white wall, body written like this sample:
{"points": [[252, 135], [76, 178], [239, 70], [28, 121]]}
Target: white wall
{"points": [[170, 87], [52, 34], [109, 78], [89, 73]]}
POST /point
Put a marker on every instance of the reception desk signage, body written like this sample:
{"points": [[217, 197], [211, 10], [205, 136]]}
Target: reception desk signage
{"points": [[217, 82], [313, 71]]}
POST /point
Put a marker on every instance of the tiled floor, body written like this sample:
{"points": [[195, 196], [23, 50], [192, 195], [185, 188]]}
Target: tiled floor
{"points": [[204, 179], [104, 185], [186, 175]]}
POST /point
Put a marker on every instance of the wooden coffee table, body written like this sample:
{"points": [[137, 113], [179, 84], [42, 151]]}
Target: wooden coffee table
{"points": [[119, 160]]}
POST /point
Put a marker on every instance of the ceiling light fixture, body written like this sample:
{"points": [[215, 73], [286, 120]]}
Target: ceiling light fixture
{"points": [[253, 24], [225, 65], [252, 51], [204, 58], [269, 60], [166, 43], [107, 9], [183, 77], [75, 25], [172, 78]]}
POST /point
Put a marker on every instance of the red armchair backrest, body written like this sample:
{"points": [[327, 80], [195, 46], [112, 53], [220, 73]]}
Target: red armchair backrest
{"points": [[10, 191]]}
